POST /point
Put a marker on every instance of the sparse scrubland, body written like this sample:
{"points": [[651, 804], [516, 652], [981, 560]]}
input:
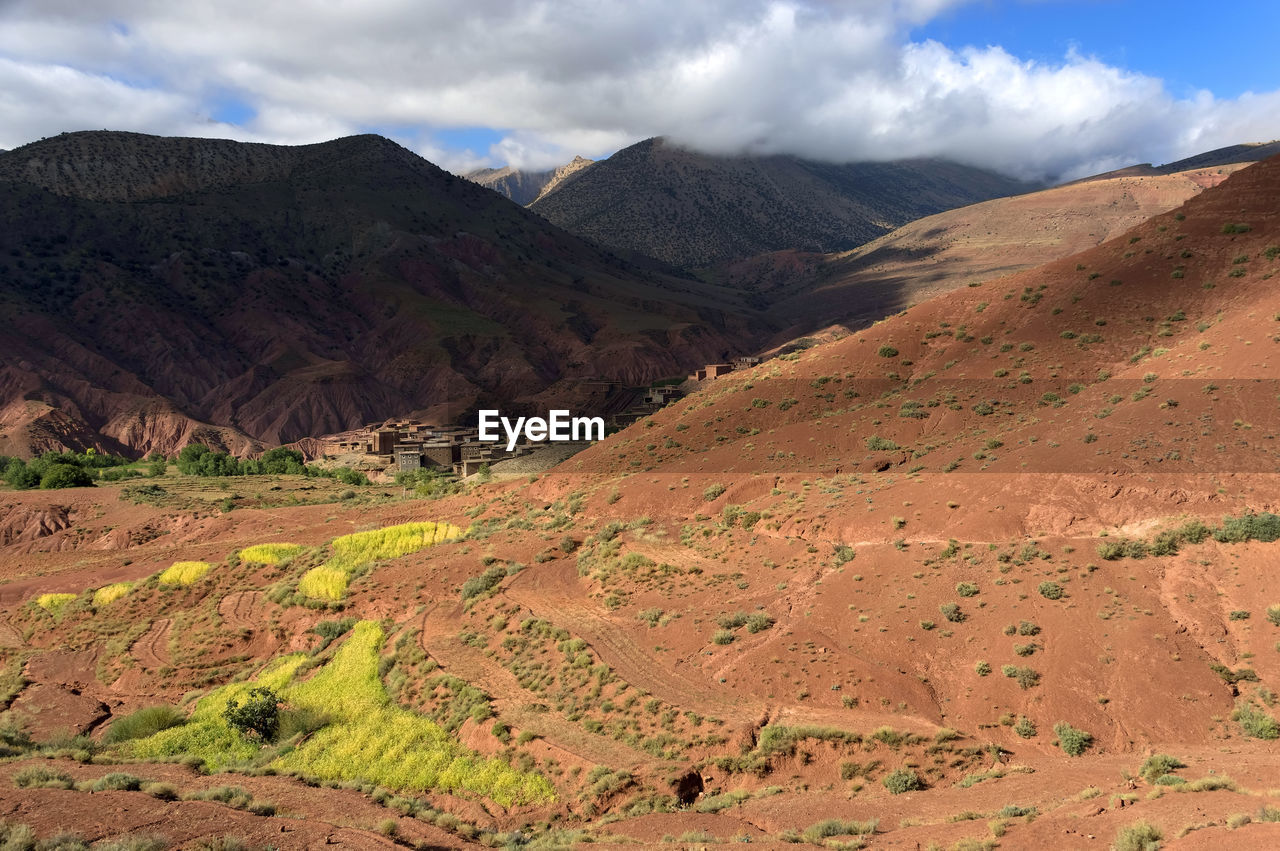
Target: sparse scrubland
{"points": [[868, 594]]}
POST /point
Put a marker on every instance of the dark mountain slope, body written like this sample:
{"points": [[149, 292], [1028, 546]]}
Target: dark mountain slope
{"points": [[694, 209], [153, 286]]}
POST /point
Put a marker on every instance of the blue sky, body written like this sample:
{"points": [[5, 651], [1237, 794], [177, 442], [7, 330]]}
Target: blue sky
{"points": [[1036, 88], [1228, 49]]}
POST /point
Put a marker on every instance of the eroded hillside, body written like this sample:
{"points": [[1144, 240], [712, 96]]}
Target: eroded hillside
{"points": [[995, 570]]}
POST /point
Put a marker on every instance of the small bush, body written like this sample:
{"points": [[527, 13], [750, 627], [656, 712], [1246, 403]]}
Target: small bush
{"points": [[722, 637], [1051, 590], [1024, 677], [117, 781], [759, 622], [143, 723], [477, 585], [1025, 727], [1255, 722], [967, 589], [887, 352], [876, 443], [1073, 741], [39, 777], [982, 668], [1139, 836], [902, 780], [161, 791], [952, 612], [133, 842], [713, 492], [1159, 764]]}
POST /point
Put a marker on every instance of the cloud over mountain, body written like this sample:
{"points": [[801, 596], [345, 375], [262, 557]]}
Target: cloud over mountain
{"points": [[831, 80]]}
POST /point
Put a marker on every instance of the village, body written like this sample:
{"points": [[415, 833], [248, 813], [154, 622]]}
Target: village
{"points": [[408, 445]]}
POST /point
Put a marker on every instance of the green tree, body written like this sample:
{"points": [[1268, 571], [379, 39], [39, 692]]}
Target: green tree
{"points": [[259, 714], [65, 476]]}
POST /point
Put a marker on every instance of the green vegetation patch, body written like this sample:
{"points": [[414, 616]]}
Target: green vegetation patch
{"points": [[369, 738], [108, 594], [53, 603], [361, 736], [182, 573], [269, 553], [355, 552]]}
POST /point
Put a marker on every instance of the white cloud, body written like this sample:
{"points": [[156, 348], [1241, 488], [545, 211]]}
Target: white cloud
{"points": [[836, 79]]}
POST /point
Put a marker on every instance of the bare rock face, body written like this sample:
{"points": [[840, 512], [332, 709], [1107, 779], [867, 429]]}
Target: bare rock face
{"points": [[563, 176], [24, 524], [161, 291]]}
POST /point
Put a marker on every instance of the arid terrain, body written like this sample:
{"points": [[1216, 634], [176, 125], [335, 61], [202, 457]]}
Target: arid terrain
{"points": [[996, 571]]}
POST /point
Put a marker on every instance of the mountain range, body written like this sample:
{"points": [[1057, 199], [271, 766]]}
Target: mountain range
{"points": [[162, 290], [689, 209]]}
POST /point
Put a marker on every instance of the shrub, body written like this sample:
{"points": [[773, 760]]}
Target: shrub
{"points": [[1255, 722], [902, 780], [967, 589], [1158, 765], [133, 842], [65, 476], [1236, 227], [1025, 728], [477, 585], [117, 781], [1025, 677], [722, 637], [952, 612], [650, 616], [876, 443], [1249, 527], [39, 777], [713, 492], [184, 572], [815, 833], [142, 723], [887, 351], [982, 668], [1072, 741], [759, 622], [1050, 590], [1273, 614], [1139, 836], [258, 715]]}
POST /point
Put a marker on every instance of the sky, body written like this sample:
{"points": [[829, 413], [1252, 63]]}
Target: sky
{"points": [[1043, 89]]}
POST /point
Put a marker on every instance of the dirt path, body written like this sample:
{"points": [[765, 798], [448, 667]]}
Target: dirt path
{"points": [[513, 701], [552, 592], [152, 649], [9, 635], [240, 610]]}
